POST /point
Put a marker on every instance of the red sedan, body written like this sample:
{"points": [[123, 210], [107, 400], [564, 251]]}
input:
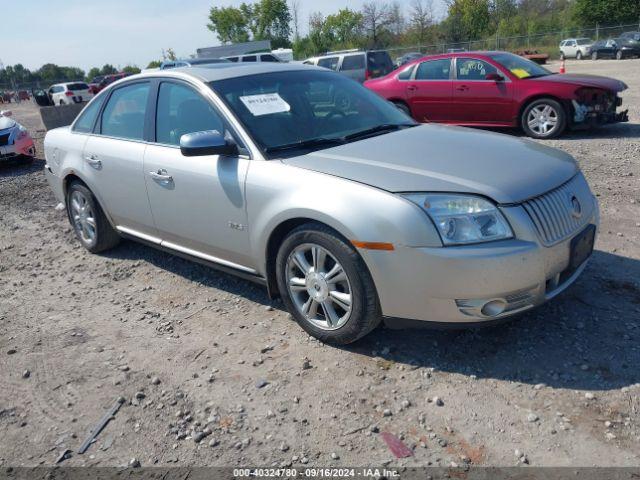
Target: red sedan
{"points": [[500, 89]]}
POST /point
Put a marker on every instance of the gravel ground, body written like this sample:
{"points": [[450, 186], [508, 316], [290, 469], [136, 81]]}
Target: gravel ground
{"points": [[213, 373]]}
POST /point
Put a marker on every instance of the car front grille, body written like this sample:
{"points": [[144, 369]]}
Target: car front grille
{"points": [[561, 212], [4, 139]]}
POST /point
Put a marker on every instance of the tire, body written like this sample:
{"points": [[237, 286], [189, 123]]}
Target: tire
{"points": [[26, 160], [61, 103], [104, 236], [403, 107], [562, 57], [347, 326], [539, 105], [579, 56], [619, 55], [594, 56]]}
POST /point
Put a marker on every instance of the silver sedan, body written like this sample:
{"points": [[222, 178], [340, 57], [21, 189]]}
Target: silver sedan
{"points": [[304, 181]]}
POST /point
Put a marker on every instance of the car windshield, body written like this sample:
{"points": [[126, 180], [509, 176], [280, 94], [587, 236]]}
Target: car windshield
{"points": [[519, 66], [307, 110], [583, 41]]}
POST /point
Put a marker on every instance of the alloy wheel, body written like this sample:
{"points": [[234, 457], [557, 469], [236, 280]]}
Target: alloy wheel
{"points": [[83, 217], [319, 286], [543, 119]]}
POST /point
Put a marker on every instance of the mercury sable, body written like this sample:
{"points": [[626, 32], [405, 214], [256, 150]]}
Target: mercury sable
{"points": [[305, 181]]}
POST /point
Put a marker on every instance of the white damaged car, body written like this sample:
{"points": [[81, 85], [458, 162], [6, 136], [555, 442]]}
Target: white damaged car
{"points": [[15, 141]]}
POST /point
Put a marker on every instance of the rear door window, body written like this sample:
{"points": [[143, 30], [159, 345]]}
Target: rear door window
{"points": [[434, 70], [124, 114], [250, 58], [353, 62], [87, 118], [268, 58], [329, 62]]}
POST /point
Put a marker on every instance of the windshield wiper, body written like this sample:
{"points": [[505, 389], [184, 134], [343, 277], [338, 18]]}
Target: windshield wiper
{"points": [[385, 127], [304, 144]]}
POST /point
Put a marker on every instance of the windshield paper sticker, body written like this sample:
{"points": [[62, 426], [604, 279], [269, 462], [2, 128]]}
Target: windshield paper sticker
{"points": [[265, 104]]}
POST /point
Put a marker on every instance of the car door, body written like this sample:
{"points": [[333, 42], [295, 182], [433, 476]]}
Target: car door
{"points": [[571, 49], [429, 91], [113, 159], [477, 99], [198, 202], [353, 66]]}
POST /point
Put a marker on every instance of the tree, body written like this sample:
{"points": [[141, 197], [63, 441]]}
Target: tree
{"points": [[93, 73], [344, 29], [108, 69], [131, 69], [154, 64], [396, 19], [272, 21], [467, 19], [591, 12], [294, 7], [169, 54], [421, 18], [229, 23], [376, 17]]}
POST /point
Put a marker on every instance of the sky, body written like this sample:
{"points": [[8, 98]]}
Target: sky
{"points": [[85, 34]]}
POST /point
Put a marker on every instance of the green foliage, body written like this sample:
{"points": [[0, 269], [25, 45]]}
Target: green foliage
{"points": [[608, 12], [154, 64], [131, 69], [229, 24], [108, 69], [93, 73]]}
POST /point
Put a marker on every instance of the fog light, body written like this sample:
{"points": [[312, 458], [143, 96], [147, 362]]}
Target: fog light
{"points": [[493, 308]]}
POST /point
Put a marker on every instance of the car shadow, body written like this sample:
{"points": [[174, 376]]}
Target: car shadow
{"points": [[17, 168], [613, 131], [206, 276], [586, 338]]}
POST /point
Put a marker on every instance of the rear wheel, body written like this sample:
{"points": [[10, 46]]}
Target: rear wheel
{"points": [[562, 57], [579, 56], [403, 107], [326, 286], [619, 55], [88, 220], [594, 56], [543, 118]]}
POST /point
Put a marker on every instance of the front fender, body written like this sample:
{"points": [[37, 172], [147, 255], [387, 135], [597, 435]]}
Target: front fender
{"points": [[278, 193]]}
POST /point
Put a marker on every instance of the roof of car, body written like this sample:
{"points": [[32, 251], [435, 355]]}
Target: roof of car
{"points": [[223, 71]]}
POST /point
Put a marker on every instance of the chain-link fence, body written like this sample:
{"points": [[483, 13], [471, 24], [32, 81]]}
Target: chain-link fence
{"points": [[547, 42]]}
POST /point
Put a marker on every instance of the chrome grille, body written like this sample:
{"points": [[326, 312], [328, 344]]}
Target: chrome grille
{"points": [[553, 213]]}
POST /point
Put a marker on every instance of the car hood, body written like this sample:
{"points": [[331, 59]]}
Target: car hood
{"points": [[6, 123], [438, 158], [586, 81]]}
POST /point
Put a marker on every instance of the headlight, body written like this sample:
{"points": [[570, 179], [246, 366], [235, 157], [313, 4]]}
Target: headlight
{"points": [[462, 219]]}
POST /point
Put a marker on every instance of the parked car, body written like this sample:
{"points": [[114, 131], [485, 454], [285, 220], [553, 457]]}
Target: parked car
{"points": [[23, 95], [108, 80], [407, 57], [15, 142], [254, 58], [94, 83], [355, 64], [628, 45], [190, 62], [500, 89], [577, 48], [69, 93], [350, 215], [604, 49]]}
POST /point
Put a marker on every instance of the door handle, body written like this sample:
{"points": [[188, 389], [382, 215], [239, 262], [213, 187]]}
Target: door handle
{"points": [[412, 88], [93, 160], [462, 88], [161, 176]]}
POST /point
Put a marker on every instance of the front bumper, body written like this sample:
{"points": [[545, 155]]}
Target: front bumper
{"points": [[455, 284], [22, 148]]}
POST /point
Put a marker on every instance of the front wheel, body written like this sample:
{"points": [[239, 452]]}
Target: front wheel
{"points": [[543, 118], [619, 55], [326, 286], [88, 220], [403, 107]]}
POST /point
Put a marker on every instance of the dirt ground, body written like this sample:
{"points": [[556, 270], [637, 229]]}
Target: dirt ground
{"points": [[213, 373]]}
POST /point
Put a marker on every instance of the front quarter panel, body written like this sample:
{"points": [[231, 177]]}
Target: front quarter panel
{"points": [[277, 193]]}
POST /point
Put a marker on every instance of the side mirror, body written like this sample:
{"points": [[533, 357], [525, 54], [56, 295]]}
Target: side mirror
{"points": [[6, 113], [496, 77], [208, 142]]}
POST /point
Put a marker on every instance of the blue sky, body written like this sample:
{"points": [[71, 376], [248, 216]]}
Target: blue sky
{"points": [[121, 32]]}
